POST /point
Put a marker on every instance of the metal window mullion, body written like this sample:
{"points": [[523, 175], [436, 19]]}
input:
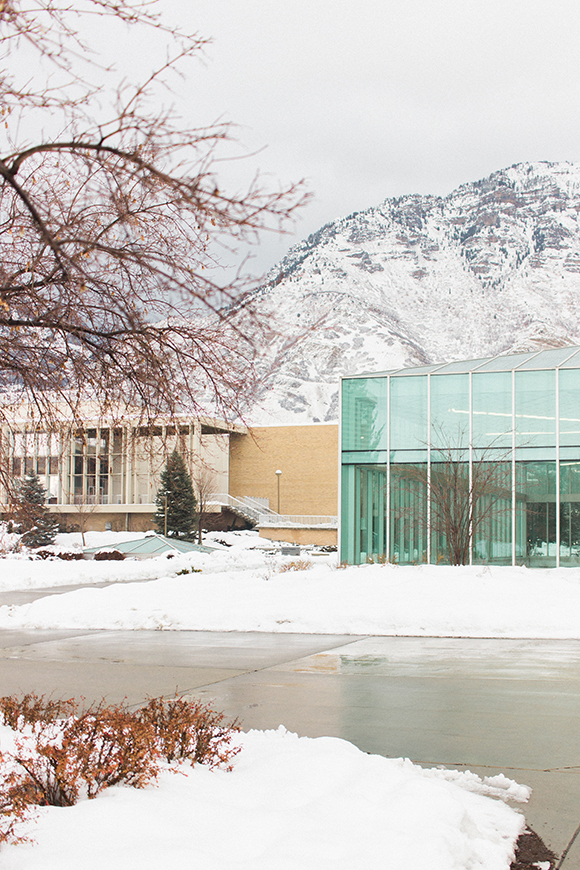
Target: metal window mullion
{"points": [[341, 555], [388, 493], [470, 468], [429, 468], [98, 465], [557, 468], [513, 467]]}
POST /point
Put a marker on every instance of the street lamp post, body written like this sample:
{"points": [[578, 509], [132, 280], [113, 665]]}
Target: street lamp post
{"points": [[165, 496], [278, 473]]}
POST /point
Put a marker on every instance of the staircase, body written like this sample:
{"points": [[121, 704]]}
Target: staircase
{"points": [[248, 508]]}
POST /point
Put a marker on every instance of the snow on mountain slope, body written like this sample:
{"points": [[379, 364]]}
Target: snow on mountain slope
{"points": [[492, 268]]}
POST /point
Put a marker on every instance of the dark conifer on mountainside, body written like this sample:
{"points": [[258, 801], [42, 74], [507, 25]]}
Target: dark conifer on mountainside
{"points": [[31, 515], [176, 502]]}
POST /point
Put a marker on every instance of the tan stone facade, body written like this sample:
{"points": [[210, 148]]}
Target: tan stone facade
{"points": [[307, 456], [305, 536]]}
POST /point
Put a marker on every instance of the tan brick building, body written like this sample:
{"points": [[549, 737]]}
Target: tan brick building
{"points": [[107, 475], [306, 455]]}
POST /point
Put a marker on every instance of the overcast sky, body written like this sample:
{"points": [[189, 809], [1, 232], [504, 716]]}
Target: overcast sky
{"points": [[380, 98]]}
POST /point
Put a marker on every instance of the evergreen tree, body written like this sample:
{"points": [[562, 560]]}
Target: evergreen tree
{"points": [[33, 520], [176, 502]]}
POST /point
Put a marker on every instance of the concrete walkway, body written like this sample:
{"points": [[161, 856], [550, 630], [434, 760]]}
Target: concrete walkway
{"points": [[492, 706]]}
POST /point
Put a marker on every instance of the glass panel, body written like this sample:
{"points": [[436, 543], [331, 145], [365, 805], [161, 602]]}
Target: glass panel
{"points": [[418, 370], [356, 457], [41, 465], [569, 513], [506, 363], [573, 362], [117, 441], [348, 519], [492, 409], [463, 366], [536, 514], [408, 456], [535, 409], [569, 382], [372, 496], [492, 513], [549, 359], [408, 513], [364, 514], [449, 410], [408, 413], [450, 512], [364, 413]]}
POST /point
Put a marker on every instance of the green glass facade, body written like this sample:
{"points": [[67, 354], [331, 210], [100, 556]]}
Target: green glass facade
{"points": [[472, 462]]}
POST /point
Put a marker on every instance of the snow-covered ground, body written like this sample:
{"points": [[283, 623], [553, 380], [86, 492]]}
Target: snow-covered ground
{"points": [[290, 802], [241, 587]]}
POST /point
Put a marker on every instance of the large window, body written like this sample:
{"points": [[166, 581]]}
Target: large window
{"points": [[408, 513], [569, 381], [492, 409], [449, 410], [536, 514], [536, 409], [408, 413], [364, 413]]}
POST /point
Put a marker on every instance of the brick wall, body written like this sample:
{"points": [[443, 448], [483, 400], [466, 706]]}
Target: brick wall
{"points": [[307, 457]]}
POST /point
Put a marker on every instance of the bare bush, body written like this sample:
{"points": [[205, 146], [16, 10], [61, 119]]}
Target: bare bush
{"points": [[109, 556], [17, 712], [190, 730], [62, 753], [295, 565]]}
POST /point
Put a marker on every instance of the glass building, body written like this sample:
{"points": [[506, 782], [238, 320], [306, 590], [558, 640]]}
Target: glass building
{"points": [[474, 462]]}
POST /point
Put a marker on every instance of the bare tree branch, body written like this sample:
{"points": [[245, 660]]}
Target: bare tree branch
{"points": [[109, 289]]}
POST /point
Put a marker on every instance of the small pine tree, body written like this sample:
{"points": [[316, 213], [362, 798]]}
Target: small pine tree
{"points": [[181, 506], [32, 518]]}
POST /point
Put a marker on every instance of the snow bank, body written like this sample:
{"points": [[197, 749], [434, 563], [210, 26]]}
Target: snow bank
{"points": [[242, 588], [291, 802], [237, 592]]}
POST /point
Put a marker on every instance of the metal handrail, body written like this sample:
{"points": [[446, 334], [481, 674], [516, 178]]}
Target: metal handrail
{"points": [[297, 520]]}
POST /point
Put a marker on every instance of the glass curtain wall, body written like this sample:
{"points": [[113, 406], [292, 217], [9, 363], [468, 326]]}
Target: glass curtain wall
{"points": [[479, 466]]}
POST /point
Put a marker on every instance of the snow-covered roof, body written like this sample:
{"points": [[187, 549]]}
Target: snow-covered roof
{"points": [[558, 357]]}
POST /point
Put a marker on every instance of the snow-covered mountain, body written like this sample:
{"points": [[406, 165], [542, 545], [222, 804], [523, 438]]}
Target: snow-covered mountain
{"points": [[492, 268]]}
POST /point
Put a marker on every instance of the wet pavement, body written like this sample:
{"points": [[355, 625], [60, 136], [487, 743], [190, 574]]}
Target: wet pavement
{"points": [[491, 706]]}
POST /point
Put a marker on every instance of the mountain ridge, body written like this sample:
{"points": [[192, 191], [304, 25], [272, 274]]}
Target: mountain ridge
{"points": [[493, 267]]}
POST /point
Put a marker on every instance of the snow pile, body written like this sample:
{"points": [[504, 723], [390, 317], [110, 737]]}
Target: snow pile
{"points": [[242, 589], [291, 802]]}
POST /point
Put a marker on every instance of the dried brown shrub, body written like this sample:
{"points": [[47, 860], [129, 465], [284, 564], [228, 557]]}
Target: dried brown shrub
{"points": [[191, 730], [63, 753], [295, 565], [109, 556], [110, 745], [31, 708]]}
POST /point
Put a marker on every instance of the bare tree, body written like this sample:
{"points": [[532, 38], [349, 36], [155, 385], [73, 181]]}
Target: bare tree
{"points": [[107, 229], [84, 510], [458, 499], [205, 486]]}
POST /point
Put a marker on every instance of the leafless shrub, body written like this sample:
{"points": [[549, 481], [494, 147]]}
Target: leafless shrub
{"points": [[295, 565], [17, 712], [109, 556], [62, 753], [191, 730]]}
